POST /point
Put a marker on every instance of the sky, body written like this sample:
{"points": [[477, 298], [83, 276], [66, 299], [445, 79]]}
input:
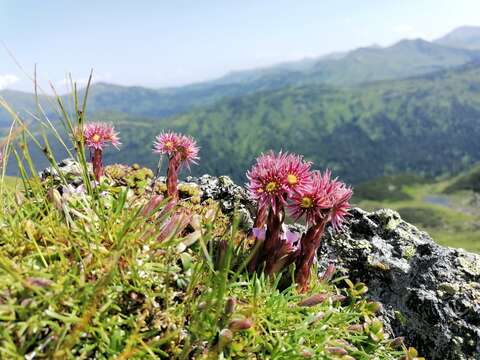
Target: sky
{"points": [[160, 43]]}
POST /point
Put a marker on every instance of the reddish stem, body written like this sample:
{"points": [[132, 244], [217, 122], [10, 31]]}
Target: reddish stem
{"points": [[261, 217], [272, 237], [259, 223], [310, 243], [172, 176], [97, 164]]}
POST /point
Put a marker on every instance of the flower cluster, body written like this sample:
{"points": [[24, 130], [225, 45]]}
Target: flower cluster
{"points": [[275, 176], [173, 144], [279, 181], [181, 150], [97, 135]]}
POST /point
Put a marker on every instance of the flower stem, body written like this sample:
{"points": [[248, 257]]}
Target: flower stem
{"points": [[310, 243], [261, 217], [172, 176], [272, 237], [97, 164]]}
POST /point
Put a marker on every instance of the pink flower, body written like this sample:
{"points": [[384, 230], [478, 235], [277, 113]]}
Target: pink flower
{"points": [[297, 172], [171, 144], [314, 200], [339, 211], [98, 134], [267, 181]]}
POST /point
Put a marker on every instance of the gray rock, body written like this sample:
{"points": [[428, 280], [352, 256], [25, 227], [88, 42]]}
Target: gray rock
{"points": [[70, 170], [230, 196], [430, 294]]}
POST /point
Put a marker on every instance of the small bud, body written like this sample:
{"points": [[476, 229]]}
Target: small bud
{"points": [[152, 205], [240, 324], [397, 342], [55, 197], [374, 306], [210, 215], [355, 328], [230, 305], [202, 305], [40, 282], [338, 298], [306, 353], [318, 316], [313, 300], [224, 338], [335, 350], [327, 275]]}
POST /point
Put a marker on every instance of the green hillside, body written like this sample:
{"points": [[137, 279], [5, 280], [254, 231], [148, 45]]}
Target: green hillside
{"points": [[427, 125], [451, 217]]}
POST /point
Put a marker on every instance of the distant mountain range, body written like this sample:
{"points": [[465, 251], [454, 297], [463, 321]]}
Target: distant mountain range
{"points": [[403, 59], [413, 106], [465, 37]]}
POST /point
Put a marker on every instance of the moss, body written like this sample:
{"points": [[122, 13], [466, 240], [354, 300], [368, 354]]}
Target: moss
{"points": [[390, 218], [409, 252], [134, 177], [400, 317], [470, 267]]}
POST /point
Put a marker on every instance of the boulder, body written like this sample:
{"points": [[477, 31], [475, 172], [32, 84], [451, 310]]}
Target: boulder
{"points": [[430, 293]]}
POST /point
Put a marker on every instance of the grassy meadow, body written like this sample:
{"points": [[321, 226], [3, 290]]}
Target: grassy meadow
{"points": [[449, 210]]}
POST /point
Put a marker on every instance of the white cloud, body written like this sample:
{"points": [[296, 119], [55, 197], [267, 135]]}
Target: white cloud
{"points": [[7, 80]]}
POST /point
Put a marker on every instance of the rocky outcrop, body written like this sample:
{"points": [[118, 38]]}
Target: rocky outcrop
{"points": [[430, 294]]}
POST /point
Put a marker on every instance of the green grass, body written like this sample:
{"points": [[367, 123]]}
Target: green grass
{"points": [[455, 224]]}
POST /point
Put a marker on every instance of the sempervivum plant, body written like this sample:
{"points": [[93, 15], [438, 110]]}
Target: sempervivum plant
{"points": [[324, 201], [272, 179], [97, 136], [181, 150], [279, 180]]}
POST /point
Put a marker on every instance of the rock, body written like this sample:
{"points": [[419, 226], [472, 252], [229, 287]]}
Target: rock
{"points": [[430, 294], [69, 168], [230, 196]]}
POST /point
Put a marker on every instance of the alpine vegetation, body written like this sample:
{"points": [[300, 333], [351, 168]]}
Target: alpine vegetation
{"points": [[146, 267]]}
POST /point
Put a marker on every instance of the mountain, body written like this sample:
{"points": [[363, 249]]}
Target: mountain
{"points": [[404, 59], [465, 37], [428, 125]]}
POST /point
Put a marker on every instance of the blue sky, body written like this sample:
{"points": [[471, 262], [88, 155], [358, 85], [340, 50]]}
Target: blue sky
{"points": [[163, 43]]}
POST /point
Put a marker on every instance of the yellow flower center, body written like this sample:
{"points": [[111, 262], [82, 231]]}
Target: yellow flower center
{"points": [[271, 186], [169, 145], [292, 179], [306, 203], [96, 138]]}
